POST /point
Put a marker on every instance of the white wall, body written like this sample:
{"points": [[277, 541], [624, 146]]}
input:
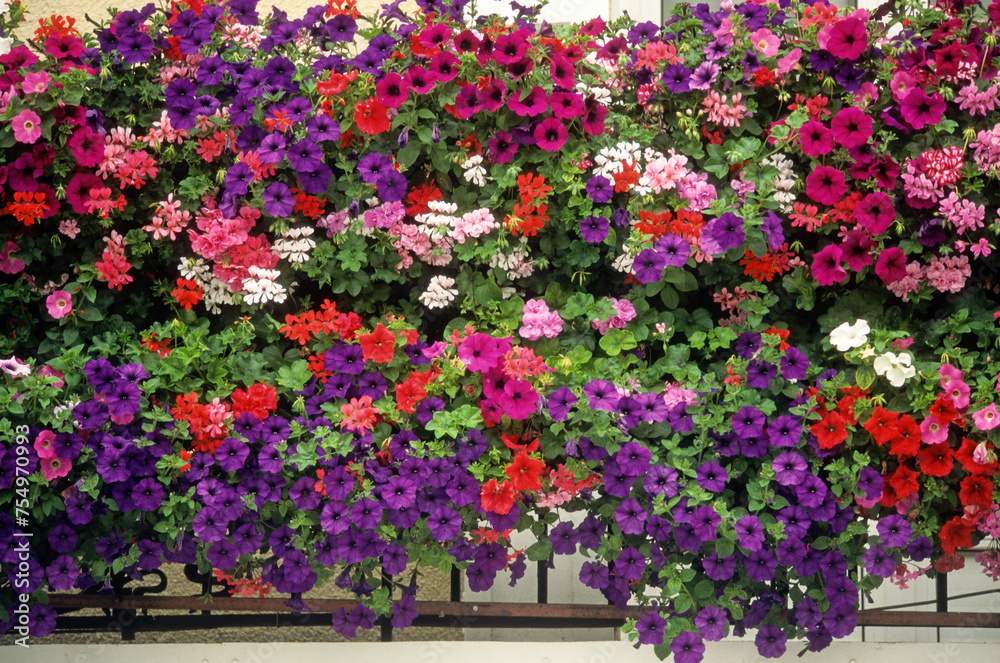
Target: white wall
{"points": [[484, 652]]}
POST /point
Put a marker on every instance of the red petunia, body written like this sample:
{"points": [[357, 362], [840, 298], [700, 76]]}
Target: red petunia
{"points": [[882, 424], [408, 394], [936, 460], [907, 441], [371, 117], [498, 498], [525, 471], [956, 534], [904, 482], [976, 491], [830, 431], [379, 345], [944, 409], [964, 456]]}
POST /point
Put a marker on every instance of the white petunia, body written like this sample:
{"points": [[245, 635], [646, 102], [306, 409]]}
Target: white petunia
{"points": [[848, 336], [896, 368]]}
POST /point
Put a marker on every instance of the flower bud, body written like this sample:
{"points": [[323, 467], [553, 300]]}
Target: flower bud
{"points": [[404, 138], [435, 134]]}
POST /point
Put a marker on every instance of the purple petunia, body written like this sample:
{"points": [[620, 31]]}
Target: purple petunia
{"points": [[630, 516], [674, 249], [790, 468], [648, 266], [712, 477], [771, 641], [650, 628], [560, 402], [147, 494], [895, 530], [602, 395], [760, 373], [564, 538], [594, 229], [278, 200], [712, 623], [600, 189], [687, 648], [726, 231]]}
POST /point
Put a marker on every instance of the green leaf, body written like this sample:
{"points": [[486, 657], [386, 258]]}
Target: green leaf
{"points": [[617, 341], [539, 551], [864, 376], [294, 377]]}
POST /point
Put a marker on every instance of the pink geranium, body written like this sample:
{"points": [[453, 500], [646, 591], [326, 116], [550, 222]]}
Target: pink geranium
{"points": [[59, 304], [27, 126]]}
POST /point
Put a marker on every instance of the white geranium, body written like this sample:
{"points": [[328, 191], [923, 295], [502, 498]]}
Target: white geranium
{"points": [[848, 336], [896, 368], [439, 292]]}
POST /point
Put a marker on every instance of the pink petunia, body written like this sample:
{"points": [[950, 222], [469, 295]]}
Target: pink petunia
{"points": [[815, 139], [988, 418], [766, 42], [826, 265], [59, 304], [10, 265], [826, 185], [920, 109], [43, 444], [847, 38], [891, 265], [55, 467], [27, 126], [35, 82], [851, 127], [875, 212]]}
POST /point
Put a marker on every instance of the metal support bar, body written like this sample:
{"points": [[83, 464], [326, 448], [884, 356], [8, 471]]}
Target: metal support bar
{"points": [[431, 613]]}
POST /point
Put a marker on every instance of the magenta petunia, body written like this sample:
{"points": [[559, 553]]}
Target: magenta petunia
{"points": [[815, 139], [826, 185], [392, 90], [875, 212], [535, 102], [920, 109], [851, 127], [891, 265], [550, 134], [847, 38], [826, 265]]}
